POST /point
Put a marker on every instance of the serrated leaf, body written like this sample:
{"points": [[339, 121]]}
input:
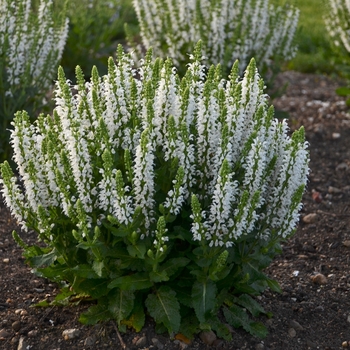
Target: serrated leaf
{"points": [[137, 250], [203, 299], [43, 260], [250, 304], [121, 303], [164, 308], [158, 276], [236, 316], [173, 265], [96, 288], [257, 329], [220, 329], [84, 270], [95, 314], [136, 281], [136, 319]]}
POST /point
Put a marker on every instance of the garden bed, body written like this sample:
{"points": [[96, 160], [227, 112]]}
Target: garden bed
{"points": [[312, 312]]}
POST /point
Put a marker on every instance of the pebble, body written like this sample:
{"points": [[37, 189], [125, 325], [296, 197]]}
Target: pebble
{"points": [[335, 135], [22, 344], [296, 325], [292, 332], [16, 326], [344, 344], [89, 341], [334, 190], [157, 343], [4, 333], [18, 311], [68, 334], [142, 342], [181, 344], [348, 319], [319, 279], [310, 218], [6, 260], [260, 346], [346, 244], [207, 337], [33, 333], [342, 167], [316, 196]]}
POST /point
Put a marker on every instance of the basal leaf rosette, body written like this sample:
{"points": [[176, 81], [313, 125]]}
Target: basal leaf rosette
{"points": [[159, 194]]}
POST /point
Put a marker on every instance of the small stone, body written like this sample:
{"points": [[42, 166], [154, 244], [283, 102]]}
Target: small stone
{"points": [[142, 342], [68, 334], [335, 135], [181, 344], [310, 218], [316, 196], [6, 260], [207, 337], [342, 167], [334, 190], [292, 332], [157, 343], [33, 333], [89, 341], [346, 244], [22, 344], [4, 334], [18, 311], [296, 325], [348, 319], [260, 346], [344, 344], [319, 279], [16, 326]]}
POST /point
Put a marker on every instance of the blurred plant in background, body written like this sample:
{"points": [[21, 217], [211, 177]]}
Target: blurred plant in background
{"points": [[229, 30], [151, 192], [96, 27], [337, 20], [31, 46]]}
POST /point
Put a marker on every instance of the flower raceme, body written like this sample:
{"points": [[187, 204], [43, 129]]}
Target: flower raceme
{"points": [[163, 169], [230, 30], [110, 146]]}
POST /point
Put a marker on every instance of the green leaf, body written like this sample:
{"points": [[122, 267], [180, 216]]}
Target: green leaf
{"points": [[137, 250], [203, 299], [43, 260], [343, 91], [98, 267], [273, 285], [121, 304], [136, 281], [137, 318], [220, 329], [164, 308], [96, 288], [84, 270], [250, 304], [158, 276], [95, 314], [173, 265], [117, 232], [257, 329]]}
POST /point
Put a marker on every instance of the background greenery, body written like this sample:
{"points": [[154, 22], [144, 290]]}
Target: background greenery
{"points": [[316, 53]]}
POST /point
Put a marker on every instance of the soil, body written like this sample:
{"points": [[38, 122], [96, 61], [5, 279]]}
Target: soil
{"points": [[313, 311]]}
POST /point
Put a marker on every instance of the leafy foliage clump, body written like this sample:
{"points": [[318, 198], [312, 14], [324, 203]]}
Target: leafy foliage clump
{"points": [[159, 195]]}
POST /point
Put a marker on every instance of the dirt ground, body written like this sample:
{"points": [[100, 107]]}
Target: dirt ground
{"points": [[313, 312]]}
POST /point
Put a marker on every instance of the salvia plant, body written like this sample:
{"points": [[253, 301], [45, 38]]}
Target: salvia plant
{"points": [[31, 45], [337, 21], [160, 196], [229, 30]]}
